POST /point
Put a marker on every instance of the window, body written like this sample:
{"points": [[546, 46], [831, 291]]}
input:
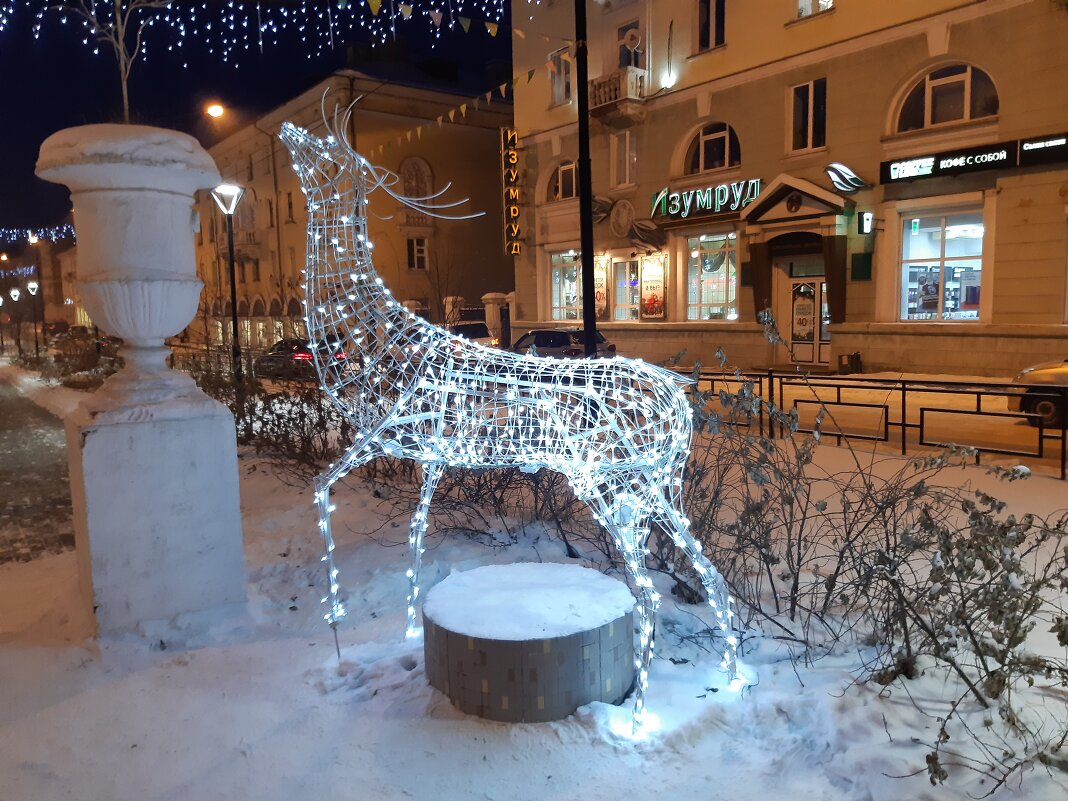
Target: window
{"points": [[809, 104], [289, 207], [270, 213], [957, 93], [714, 147], [629, 41], [711, 24], [562, 185], [244, 275], [292, 258], [628, 291], [251, 174], [566, 288], [941, 265], [417, 253], [560, 76], [712, 277], [255, 269], [624, 157], [806, 8]]}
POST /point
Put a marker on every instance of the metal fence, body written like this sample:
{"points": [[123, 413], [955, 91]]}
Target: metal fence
{"points": [[994, 418]]}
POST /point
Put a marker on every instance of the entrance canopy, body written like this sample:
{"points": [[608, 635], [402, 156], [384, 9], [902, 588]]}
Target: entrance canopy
{"points": [[792, 198]]}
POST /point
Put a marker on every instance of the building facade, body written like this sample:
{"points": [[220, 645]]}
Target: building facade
{"points": [[888, 179], [433, 266]]}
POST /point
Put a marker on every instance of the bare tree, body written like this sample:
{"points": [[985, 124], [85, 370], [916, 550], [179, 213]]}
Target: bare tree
{"points": [[119, 24]]}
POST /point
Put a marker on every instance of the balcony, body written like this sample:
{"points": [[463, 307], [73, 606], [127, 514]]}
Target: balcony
{"points": [[618, 95]]}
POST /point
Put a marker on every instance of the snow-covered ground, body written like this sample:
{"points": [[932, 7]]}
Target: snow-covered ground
{"points": [[262, 709]]}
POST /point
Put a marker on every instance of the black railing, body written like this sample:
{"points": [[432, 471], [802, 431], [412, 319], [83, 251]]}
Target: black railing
{"points": [[914, 413]]}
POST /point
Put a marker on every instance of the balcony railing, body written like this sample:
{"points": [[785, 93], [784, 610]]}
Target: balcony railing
{"points": [[616, 87]]}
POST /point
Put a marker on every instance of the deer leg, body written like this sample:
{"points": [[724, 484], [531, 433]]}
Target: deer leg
{"points": [[357, 455], [431, 475], [666, 510], [626, 521]]}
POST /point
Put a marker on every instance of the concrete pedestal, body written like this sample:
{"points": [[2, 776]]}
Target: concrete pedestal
{"points": [[559, 651], [157, 525]]}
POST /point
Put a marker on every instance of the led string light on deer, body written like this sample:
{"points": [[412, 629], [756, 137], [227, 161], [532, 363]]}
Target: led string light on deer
{"points": [[618, 429]]}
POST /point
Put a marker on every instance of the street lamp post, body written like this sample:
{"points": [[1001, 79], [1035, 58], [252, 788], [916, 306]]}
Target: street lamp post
{"points": [[14, 293], [3, 347], [32, 287], [585, 181], [227, 196]]}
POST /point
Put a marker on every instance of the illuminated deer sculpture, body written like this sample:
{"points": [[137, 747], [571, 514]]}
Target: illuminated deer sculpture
{"points": [[618, 429]]}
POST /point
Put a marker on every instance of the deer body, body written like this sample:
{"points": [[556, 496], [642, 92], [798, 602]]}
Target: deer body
{"points": [[618, 429]]}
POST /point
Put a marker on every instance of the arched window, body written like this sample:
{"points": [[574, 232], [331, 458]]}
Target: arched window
{"points": [[714, 147], [258, 309], [562, 184], [954, 93], [276, 308], [293, 308]]}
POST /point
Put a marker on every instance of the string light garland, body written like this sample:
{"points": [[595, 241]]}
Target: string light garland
{"points": [[53, 233], [618, 429], [232, 28]]}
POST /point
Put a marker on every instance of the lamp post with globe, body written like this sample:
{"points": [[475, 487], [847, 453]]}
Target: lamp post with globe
{"points": [[15, 293], [32, 287], [227, 196]]}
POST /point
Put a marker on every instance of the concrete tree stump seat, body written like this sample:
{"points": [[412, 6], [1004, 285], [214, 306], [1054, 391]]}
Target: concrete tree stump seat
{"points": [[529, 642]]}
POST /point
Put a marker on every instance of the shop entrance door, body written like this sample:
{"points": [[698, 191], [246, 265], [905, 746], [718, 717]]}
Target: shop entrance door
{"points": [[803, 314]]}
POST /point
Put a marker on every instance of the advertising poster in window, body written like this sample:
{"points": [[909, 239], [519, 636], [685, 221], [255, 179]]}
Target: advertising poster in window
{"points": [[653, 289], [969, 290], [928, 286], [600, 289], [804, 313]]}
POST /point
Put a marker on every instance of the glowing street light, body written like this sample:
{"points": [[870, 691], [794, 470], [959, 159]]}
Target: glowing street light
{"points": [[227, 196], [15, 293], [32, 239], [215, 110]]}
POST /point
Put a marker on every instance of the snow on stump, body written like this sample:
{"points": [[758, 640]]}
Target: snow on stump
{"points": [[529, 642]]}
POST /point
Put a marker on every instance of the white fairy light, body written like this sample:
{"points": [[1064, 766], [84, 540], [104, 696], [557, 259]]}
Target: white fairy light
{"points": [[618, 429]]}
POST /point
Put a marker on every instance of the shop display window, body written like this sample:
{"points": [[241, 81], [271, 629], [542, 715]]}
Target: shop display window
{"points": [[627, 295], [941, 266], [566, 286], [712, 277]]}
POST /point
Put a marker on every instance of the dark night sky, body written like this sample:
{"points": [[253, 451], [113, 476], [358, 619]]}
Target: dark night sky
{"points": [[57, 82]]}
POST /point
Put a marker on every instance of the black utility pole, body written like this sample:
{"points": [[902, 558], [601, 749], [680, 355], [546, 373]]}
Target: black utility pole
{"points": [[585, 180]]}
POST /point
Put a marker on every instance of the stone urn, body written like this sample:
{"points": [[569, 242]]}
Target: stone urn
{"points": [[132, 190], [153, 460]]}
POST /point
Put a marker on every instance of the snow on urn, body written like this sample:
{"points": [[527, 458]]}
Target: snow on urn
{"points": [[132, 189]]}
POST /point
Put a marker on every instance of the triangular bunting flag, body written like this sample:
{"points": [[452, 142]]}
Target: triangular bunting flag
{"points": [[465, 23], [409, 135], [519, 33], [452, 114], [463, 109], [491, 27], [419, 132], [530, 75], [406, 10], [489, 96], [503, 89], [439, 120], [474, 102], [436, 16], [374, 6]]}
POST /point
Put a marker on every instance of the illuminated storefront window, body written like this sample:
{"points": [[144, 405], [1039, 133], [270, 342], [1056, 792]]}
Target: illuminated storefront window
{"points": [[566, 286], [627, 296], [712, 277], [941, 266]]}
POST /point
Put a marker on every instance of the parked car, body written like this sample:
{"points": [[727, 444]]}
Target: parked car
{"points": [[108, 345], [565, 342], [476, 332], [291, 359], [56, 327], [1051, 411]]}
